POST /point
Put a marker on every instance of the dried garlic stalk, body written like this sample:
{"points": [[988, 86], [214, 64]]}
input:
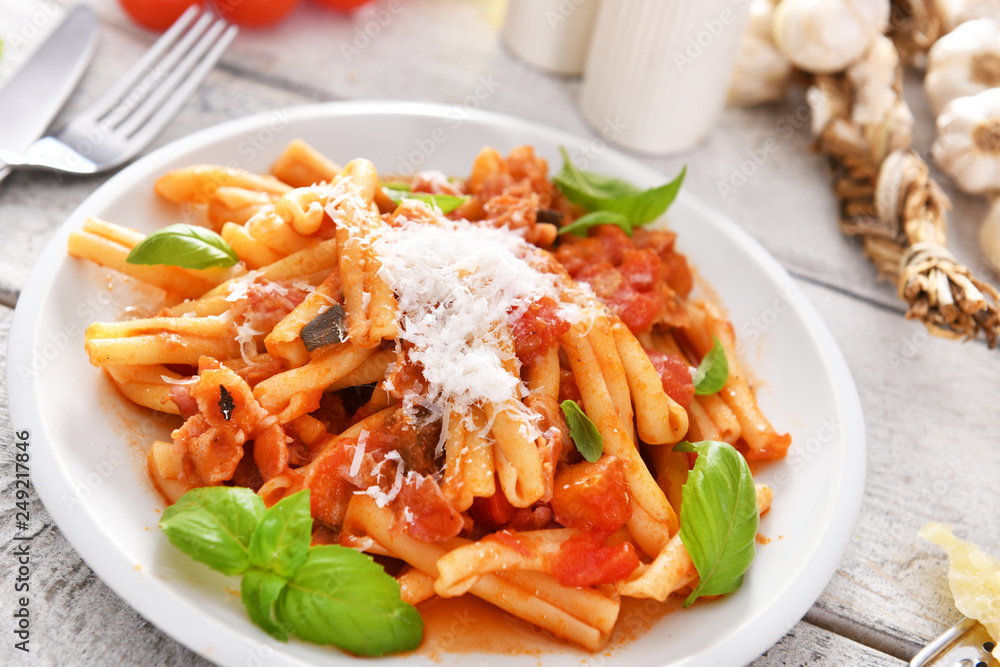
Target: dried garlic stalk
{"points": [[889, 199]]}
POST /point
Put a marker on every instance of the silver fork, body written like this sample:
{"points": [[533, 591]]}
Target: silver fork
{"points": [[965, 644], [128, 117]]}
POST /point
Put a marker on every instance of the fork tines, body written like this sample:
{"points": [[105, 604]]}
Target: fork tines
{"points": [[154, 89]]}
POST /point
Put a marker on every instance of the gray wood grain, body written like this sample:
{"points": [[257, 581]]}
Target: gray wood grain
{"points": [[929, 404], [932, 424], [809, 645]]}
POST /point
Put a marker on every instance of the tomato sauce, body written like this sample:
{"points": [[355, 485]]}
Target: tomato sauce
{"points": [[642, 279], [583, 561], [592, 497], [675, 373], [536, 329], [467, 624]]}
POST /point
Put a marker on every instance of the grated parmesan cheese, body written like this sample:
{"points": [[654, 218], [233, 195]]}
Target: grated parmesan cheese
{"points": [[359, 454], [245, 337], [456, 284], [238, 288], [380, 497]]}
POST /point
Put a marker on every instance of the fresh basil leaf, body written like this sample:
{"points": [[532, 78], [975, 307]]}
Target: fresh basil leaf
{"points": [[588, 189], [213, 525], [580, 226], [713, 371], [396, 185], [282, 537], [340, 596], [647, 206], [598, 192], [718, 517], [260, 591], [585, 435], [186, 246], [444, 203]]}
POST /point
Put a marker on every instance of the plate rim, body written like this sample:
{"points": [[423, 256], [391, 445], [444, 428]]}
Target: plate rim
{"points": [[819, 569]]}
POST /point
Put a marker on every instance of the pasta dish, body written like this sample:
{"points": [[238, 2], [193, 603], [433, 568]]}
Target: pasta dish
{"points": [[489, 384]]}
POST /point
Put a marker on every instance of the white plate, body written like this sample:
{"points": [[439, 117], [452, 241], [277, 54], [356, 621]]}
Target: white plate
{"points": [[88, 450]]}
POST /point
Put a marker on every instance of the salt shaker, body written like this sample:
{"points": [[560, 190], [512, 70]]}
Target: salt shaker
{"points": [[658, 71], [552, 35]]}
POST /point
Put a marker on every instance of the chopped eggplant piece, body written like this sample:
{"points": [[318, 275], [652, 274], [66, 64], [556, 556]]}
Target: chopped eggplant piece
{"points": [[327, 328], [226, 404], [549, 216]]}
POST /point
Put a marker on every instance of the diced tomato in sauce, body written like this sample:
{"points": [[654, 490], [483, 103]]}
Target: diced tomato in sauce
{"points": [[568, 389], [267, 302], [536, 329], [493, 512], [675, 373], [639, 278], [592, 497], [583, 561], [425, 512], [329, 490]]}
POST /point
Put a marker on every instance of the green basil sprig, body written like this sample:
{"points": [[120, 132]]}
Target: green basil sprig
{"points": [[713, 371], [620, 202], [719, 517], [444, 203], [186, 246], [323, 594], [584, 433]]}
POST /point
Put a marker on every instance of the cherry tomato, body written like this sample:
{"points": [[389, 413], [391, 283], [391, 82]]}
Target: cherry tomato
{"points": [[156, 14], [255, 13], [342, 5]]}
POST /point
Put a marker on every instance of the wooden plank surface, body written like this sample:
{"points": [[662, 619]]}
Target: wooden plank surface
{"points": [[930, 405]]}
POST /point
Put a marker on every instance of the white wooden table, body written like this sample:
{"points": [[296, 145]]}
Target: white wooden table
{"points": [[930, 405]]}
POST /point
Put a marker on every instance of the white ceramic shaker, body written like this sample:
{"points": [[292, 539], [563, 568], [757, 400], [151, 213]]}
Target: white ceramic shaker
{"points": [[658, 71], [552, 35]]}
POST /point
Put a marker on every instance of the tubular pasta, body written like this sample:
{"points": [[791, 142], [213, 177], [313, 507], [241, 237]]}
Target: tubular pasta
{"points": [[422, 409]]}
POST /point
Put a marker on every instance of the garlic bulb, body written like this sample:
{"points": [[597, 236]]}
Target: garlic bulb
{"points": [[967, 147], [825, 36], [762, 72], [879, 109], [964, 62], [989, 235], [967, 10]]}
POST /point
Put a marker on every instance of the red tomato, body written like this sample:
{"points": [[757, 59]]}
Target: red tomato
{"points": [[592, 497], [583, 561], [493, 512], [156, 14], [342, 5], [255, 13], [676, 376]]}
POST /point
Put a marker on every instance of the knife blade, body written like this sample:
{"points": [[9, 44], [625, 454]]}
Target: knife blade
{"points": [[35, 93]]}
